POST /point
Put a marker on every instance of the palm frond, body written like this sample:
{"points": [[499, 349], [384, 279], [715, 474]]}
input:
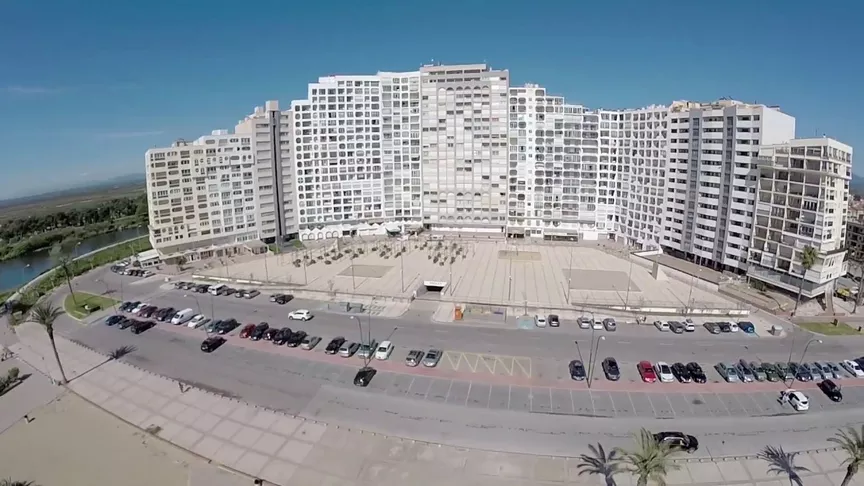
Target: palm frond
{"points": [[781, 462], [649, 460], [852, 443]]}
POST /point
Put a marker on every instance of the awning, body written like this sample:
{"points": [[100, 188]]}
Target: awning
{"points": [[393, 228]]}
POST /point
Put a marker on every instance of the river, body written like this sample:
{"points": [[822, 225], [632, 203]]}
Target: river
{"points": [[21, 270]]}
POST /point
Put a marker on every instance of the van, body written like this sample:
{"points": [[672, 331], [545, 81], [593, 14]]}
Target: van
{"points": [[214, 289], [182, 316]]}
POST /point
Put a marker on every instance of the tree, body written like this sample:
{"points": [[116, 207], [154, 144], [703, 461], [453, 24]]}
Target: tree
{"points": [[61, 258], [782, 462], [10, 482], [650, 460], [856, 260], [598, 463], [850, 441], [45, 313], [808, 259]]}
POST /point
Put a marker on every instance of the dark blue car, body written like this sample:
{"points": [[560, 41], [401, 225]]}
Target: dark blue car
{"points": [[747, 327]]}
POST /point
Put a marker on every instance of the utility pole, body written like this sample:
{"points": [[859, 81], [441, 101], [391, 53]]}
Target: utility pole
{"points": [[353, 282], [570, 275], [629, 274], [402, 266], [266, 272]]}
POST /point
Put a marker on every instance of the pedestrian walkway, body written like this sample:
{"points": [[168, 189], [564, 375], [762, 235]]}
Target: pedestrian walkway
{"points": [[285, 449]]}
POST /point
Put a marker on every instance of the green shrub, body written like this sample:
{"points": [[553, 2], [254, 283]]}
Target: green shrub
{"points": [[12, 374]]}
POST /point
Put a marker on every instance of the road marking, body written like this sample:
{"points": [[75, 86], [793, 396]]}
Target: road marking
{"points": [[470, 384], [551, 403], [614, 409], [593, 408], [623, 342], [648, 396], [724, 404], [572, 405], [509, 391], [632, 404], [448, 391], [669, 401], [666, 344], [489, 398]]}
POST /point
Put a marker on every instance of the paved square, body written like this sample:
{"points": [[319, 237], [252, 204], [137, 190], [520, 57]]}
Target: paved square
{"points": [[365, 271], [601, 280]]}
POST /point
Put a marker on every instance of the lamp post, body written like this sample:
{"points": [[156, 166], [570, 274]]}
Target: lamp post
{"points": [[108, 291], [629, 274], [593, 359], [401, 266], [570, 275], [811, 341], [266, 272]]}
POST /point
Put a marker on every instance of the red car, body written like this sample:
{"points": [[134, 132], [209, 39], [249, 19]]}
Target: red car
{"points": [[247, 331], [646, 371]]}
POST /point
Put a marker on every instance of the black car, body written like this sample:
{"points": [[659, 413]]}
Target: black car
{"points": [[271, 333], [611, 370], [334, 345], [712, 327], [296, 338], [148, 311], [128, 306], [115, 319], [577, 370], [724, 327], [676, 327], [553, 320], [282, 336], [696, 373], [801, 372], [364, 376], [678, 440], [831, 390], [283, 299], [259, 331], [141, 326], [211, 343], [227, 291], [227, 326], [679, 371], [127, 323], [202, 288], [166, 314]]}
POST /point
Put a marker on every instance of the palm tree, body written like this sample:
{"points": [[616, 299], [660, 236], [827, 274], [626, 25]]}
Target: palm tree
{"points": [[782, 462], [61, 258], [600, 464], [650, 460], [10, 482], [45, 313], [851, 442], [808, 259]]}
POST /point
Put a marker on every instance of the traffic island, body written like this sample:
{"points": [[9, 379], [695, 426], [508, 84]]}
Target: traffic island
{"points": [[82, 304]]}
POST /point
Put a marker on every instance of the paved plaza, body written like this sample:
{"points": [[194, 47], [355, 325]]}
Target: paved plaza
{"points": [[492, 273], [289, 450]]}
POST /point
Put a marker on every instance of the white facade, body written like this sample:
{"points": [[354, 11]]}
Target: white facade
{"points": [[802, 201], [711, 190], [202, 196]]}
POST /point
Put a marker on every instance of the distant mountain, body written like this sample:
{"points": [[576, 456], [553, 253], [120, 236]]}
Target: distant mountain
{"points": [[128, 180]]}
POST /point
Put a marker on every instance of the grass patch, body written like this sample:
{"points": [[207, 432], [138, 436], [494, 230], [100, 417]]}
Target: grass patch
{"points": [[829, 329], [85, 300]]}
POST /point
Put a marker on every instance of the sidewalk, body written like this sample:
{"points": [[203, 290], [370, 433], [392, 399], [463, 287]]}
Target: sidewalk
{"points": [[291, 450]]}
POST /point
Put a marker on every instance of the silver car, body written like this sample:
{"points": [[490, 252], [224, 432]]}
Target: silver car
{"points": [[348, 349], [415, 356], [817, 371], [727, 371], [367, 350], [745, 372], [827, 372], [758, 371], [309, 342], [433, 356], [838, 372], [610, 324]]}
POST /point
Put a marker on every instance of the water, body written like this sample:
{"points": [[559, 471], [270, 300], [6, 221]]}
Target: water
{"points": [[14, 273]]}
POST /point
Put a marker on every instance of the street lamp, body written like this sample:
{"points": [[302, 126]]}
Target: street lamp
{"points": [[108, 291], [811, 341], [593, 359]]}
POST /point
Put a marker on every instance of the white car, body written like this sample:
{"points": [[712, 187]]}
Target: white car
{"points": [[585, 322], [597, 325], [664, 372], [853, 368], [384, 350], [198, 321], [300, 315], [689, 326], [733, 327], [139, 307], [795, 398], [661, 325], [540, 321]]}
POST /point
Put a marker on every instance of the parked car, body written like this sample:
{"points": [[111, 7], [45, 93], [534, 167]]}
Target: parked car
{"points": [[275, 296], [597, 325], [611, 370], [827, 372], [852, 368], [212, 343], [251, 294], [744, 371], [142, 326], [129, 305], [334, 345], [138, 307], [300, 315], [296, 338], [433, 356], [284, 299], [712, 327], [258, 333], [385, 349], [609, 324], [415, 356], [664, 372], [182, 317], [227, 326], [733, 327], [166, 314], [680, 372], [577, 370], [127, 323], [678, 440], [816, 371], [725, 326], [198, 321], [282, 336], [212, 326], [747, 327], [758, 370], [784, 371], [111, 320], [728, 372], [226, 291], [367, 350], [796, 399], [348, 349], [661, 325], [309, 342], [837, 371], [585, 322], [247, 331], [831, 390], [676, 327], [554, 321], [148, 312], [271, 333], [239, 293], [696, 372], [364, 376], [689, 326], [646, 371], [771, 372], [801, 372], [540, 321]]}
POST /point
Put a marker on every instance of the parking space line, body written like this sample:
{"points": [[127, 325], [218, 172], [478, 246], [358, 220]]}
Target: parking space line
{"points": [[448, 391], [750, 396], [572, 405], [669, 401], [614, 410], [470, 384], [690, 404], [648, 396], [489, 398], [593, 408], [729, 412], [509, 392], [551, 403], [631, 403]]}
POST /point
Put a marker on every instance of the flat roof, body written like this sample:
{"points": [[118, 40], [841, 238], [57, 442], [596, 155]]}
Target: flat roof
{"points": [[148, 255]]}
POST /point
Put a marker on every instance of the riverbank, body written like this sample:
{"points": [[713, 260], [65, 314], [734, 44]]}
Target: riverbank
{"points": [[48, 239]]}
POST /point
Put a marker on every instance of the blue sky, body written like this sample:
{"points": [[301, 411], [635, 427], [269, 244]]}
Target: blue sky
{"points": [[87, 87]]}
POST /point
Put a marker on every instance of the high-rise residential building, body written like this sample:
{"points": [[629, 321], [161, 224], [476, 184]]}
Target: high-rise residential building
{"points": [[271, 131], [202, 197], [712, 178], [401, 147], [802, 201], [464, 147]]}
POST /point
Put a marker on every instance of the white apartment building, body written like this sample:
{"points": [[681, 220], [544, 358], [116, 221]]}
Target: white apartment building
{"points": [[802, 201], [464, 147], [271, 131], [712, 178], [202, 197], [401, 147]]}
